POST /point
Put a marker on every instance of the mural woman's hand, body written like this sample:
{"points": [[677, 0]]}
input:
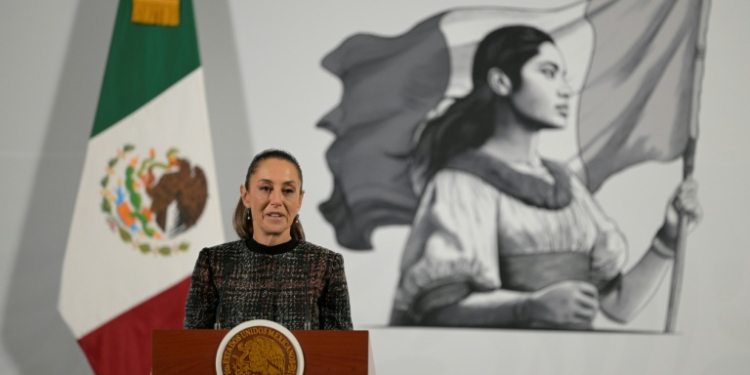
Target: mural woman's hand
{"points": [[683, 202], [567, 304]]}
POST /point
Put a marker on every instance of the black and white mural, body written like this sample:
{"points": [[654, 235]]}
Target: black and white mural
{"points": [[513, 184], [439, 128]]}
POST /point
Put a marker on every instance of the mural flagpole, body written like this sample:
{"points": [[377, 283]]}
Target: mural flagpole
{"points": [[687, 170]]}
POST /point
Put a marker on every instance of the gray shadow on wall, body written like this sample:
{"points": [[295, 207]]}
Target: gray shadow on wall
{"points": [[34, 334], [226, 103]]}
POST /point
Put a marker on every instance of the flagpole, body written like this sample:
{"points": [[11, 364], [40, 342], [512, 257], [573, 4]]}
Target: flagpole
{"points": [[688, 159]]}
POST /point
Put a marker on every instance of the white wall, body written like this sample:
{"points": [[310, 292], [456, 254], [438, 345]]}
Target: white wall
{"points": [[53, 57]]}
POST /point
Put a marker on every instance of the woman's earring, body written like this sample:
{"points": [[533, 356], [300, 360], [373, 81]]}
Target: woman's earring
{"points": [[296, 219], [249, 218]]}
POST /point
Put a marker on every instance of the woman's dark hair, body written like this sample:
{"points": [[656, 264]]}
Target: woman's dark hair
{"points": [[243, 225], [469, 122]]}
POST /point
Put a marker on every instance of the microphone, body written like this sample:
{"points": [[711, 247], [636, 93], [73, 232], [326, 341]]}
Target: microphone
{"points": [[308, 320], [217, 321]]}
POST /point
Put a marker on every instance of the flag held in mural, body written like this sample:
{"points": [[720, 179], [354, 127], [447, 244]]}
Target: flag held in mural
{"points": [[631, 62], [147, 199], [636, 103]]}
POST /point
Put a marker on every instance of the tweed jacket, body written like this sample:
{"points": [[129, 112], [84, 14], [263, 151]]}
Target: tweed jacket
{"points": [[304, 288]]}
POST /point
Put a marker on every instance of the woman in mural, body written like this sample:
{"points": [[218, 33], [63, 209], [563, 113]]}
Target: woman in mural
{"points": [[503, 237]]}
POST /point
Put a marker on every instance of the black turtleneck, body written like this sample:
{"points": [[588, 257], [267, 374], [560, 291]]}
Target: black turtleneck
{"points": [[281, 248]]}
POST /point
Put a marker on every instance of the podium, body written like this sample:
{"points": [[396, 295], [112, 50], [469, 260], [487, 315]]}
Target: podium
{"points": [[325, 352]]}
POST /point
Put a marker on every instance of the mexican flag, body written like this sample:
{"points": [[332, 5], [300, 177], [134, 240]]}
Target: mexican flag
{"points": [[147, 201]]}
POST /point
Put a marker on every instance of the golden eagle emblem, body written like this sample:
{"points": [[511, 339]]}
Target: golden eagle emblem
{"points": [[259, 347]]}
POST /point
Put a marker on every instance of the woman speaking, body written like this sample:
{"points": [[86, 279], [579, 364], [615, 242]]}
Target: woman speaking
{"points": [[271, 272]]}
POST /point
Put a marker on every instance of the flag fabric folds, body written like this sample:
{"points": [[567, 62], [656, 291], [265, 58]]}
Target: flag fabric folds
{"points": [[636, 102], [628, 60], [147, 200], [389, 84]]}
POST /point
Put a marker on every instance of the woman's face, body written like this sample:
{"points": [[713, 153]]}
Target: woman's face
{"points": [[545, 92], [274, 197]]}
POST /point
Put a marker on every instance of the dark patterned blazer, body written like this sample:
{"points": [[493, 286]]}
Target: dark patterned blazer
{"points": [[304, 288]]}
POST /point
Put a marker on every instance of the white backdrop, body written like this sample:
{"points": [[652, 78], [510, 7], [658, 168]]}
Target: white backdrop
{"points": [[263, 77]]}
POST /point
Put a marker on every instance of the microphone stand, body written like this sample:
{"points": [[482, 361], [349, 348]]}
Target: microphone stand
{"points": [[217, 320], [308, 320]]}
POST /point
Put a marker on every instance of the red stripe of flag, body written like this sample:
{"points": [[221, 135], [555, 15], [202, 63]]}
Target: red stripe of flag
{"points": [[123, 345]]}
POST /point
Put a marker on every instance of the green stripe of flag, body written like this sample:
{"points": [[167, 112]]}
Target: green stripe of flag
{"points": [[144, 60]]}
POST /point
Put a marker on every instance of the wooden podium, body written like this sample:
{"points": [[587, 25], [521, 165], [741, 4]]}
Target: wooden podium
{"points": [[325, 352]]}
